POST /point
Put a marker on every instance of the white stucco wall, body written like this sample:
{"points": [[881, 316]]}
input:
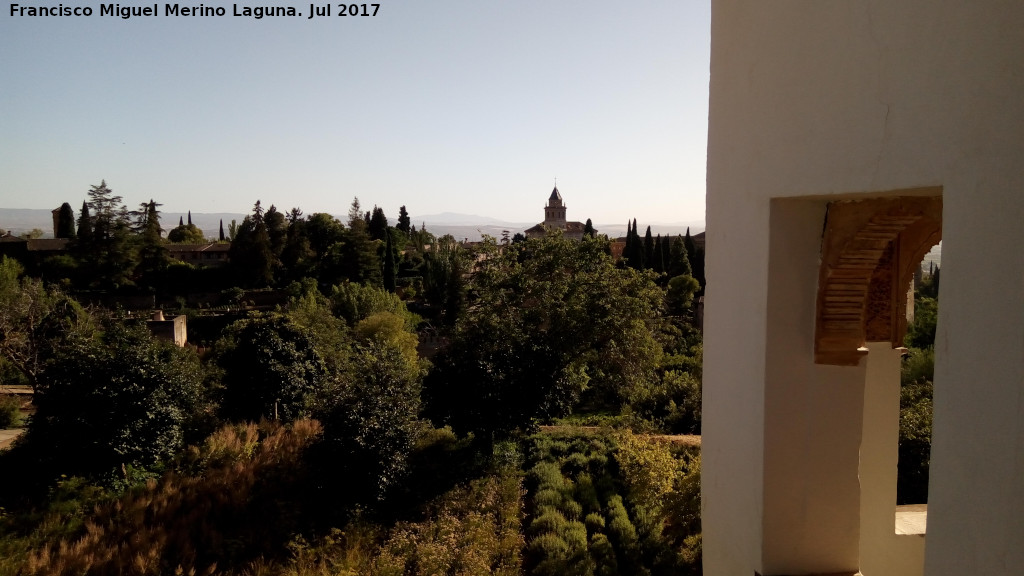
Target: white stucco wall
{"points": [[824, 99]]}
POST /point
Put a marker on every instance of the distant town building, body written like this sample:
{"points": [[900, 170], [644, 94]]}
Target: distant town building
{"points": [[554, 217]]}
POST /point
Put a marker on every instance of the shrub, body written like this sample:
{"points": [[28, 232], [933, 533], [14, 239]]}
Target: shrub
{"points": [[475, 529], [648, 469], [548, 497], [10, 411], [550, 521], [126, 399], [229, 513], [594, 522], [586, 494]]}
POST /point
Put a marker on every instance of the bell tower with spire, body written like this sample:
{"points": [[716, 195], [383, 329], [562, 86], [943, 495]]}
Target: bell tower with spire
{"points": [[554, 212]]}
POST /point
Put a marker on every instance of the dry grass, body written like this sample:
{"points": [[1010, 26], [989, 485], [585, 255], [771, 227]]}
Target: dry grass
{"points": [[186, 522]]}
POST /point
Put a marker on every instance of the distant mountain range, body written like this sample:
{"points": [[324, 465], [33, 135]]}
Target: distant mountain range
{"points": [[470, 227]]}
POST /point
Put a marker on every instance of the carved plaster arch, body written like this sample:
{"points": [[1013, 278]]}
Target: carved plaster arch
{"points": [[869, 252]]}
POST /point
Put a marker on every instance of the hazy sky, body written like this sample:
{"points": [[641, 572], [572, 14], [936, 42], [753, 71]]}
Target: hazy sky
{"points": [[443, 106]]}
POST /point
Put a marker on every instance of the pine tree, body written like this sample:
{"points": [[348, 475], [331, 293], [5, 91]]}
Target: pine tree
{"points": [[378, 225], [355, 213], [251, 257], [277, 230], [111, 259], [403, 221], [153, 256]]}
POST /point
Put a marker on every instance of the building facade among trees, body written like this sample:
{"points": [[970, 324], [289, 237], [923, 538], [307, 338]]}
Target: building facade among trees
{"points": [[554, 217]]}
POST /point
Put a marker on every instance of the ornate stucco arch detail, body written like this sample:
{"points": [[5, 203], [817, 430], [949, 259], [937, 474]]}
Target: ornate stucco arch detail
{"points": [[869, 252]]}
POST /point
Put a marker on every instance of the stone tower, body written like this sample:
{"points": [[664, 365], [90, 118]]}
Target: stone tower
{"points": [[554, 212]]}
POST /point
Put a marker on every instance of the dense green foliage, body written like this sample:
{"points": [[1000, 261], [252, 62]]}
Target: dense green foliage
{"points": [[271, 370], [10, 411], [605, 505], [916, 377], [119, 399], [292, 440], [552, 323]]}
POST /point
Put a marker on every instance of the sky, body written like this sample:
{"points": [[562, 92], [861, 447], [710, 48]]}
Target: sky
{"points": [[472, 107]]}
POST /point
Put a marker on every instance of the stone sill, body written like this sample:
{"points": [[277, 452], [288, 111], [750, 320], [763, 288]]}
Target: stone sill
{"points": [[912, 519]]}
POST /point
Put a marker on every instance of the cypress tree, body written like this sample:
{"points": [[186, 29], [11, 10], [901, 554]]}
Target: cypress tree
{"points": [[691, 248], [181, 221], [84, 225], [658, 262], [221, 230], [664, 256], [648, 249], [588, 229], [678, 261], [65, 222], [189, 217], [390, 266]]}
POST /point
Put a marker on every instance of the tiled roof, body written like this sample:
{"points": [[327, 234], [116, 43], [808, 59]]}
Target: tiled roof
{"points": [[210, 247], [48, 244]]}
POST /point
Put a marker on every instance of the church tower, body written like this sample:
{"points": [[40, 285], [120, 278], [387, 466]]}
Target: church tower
{"points": [[554, 212]]}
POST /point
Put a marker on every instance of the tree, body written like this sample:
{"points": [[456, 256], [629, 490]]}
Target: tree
{"points": [[355, 302], [297, 255], [390, 265], [403, 221], [648, 249], [84, 234], [679, 296], [552, 323], [678, 261], [34, 320], [221, 236], [186, 234], [123, 399], [657, 257], [108, 255], [373, 426], [251, 257], [355, 257], [277, 231], [65, 222], [153, 256], [355, 213], [271, 369], [443, 268], [378, 228], [588, 229]]}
